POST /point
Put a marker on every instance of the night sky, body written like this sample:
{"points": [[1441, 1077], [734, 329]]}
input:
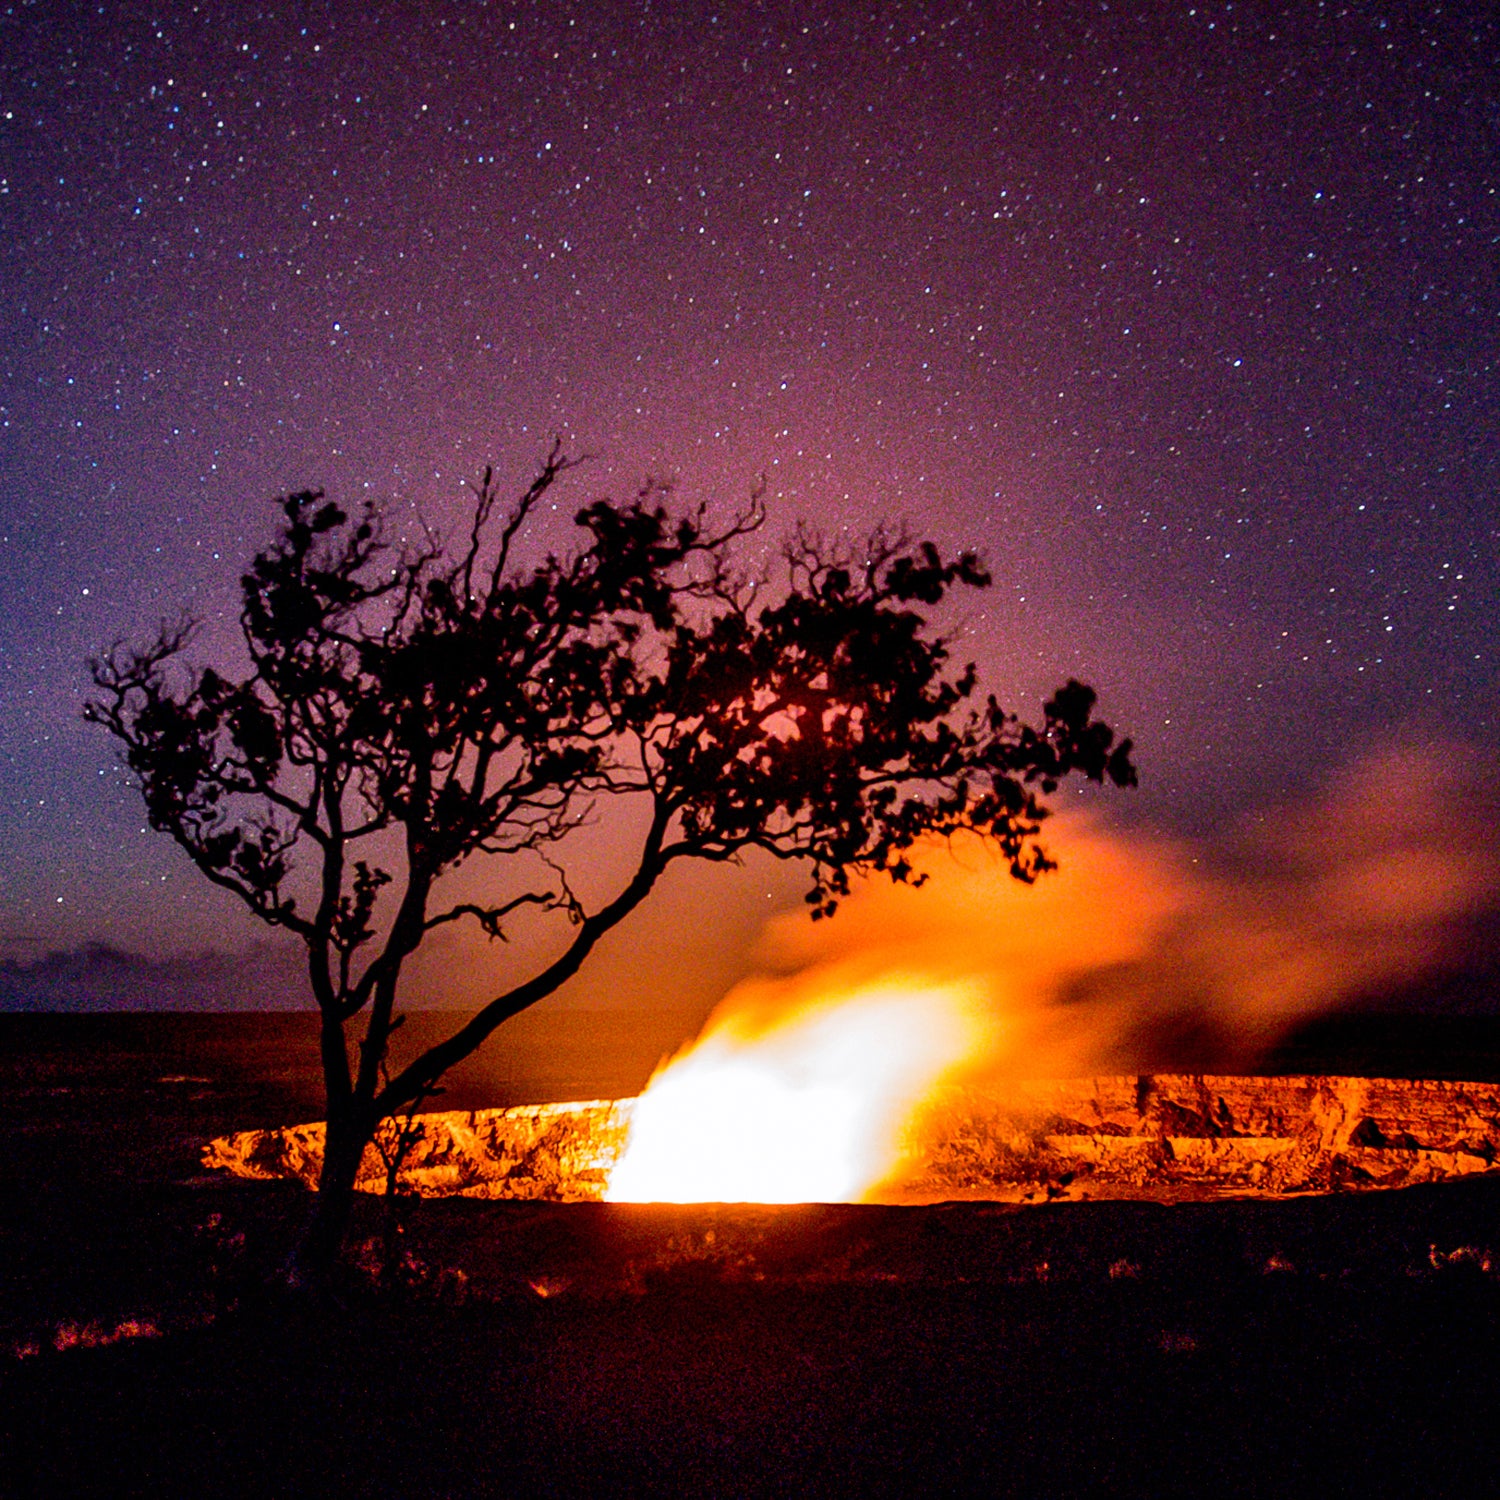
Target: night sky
{"points": [[1186, 315]]}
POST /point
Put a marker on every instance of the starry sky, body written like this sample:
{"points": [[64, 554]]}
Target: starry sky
{"points": [[1185, 314]]}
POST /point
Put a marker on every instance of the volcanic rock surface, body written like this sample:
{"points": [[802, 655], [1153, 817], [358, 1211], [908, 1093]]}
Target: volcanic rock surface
{"points": [[559, 1152], [1148, 1136]]}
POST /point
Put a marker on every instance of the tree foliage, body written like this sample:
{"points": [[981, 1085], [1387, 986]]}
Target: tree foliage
{"points": [[479, 701]]}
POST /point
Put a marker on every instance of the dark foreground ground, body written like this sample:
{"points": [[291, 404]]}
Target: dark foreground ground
{"points": [[1330, 1346]]}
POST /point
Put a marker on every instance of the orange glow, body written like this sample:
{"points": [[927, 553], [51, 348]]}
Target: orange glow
{"points": [[808, 1107], [1128, 958]]}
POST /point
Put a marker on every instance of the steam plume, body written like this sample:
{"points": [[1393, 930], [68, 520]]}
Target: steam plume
{"points": [[1132, 955]]}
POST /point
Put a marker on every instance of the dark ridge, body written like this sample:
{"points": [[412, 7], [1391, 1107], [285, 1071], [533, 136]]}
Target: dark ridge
{"points": [[1393, 1046]]}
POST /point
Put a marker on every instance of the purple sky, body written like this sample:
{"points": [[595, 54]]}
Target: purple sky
{"points": [[1185, 314]]}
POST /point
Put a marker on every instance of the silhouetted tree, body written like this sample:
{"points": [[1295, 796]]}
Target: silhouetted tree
{"points": [[406, 711]]}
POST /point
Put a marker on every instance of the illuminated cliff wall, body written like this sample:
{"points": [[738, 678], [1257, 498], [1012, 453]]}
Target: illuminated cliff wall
{"points": [[1162, 1136]]}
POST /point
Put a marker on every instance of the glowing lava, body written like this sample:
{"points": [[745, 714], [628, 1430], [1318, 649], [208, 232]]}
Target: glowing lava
{"points": [[808, 1107]]}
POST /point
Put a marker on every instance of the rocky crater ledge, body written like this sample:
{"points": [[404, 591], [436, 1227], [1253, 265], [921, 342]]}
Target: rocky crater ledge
{"points": [[1161, 1136]]}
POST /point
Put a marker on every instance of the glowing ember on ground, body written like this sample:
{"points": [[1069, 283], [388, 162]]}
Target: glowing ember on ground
{"points": [[809, 1107]]}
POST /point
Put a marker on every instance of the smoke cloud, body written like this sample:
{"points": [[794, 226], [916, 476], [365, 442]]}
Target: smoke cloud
{"points": [[1142, 952]]}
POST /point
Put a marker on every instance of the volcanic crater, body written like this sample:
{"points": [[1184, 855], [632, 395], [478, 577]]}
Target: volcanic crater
{"points": [[1163, 1137]]}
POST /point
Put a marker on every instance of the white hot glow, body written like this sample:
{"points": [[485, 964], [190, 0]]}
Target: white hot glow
{"points": [[807, 1108]]}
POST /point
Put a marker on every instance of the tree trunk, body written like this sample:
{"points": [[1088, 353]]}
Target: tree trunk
{"points": [[318, 1250]]}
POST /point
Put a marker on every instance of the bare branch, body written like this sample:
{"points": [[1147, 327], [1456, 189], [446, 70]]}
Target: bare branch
{"points": [[490, 918]]}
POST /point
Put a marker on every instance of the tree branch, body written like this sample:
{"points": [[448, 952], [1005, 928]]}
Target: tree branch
{"points": [[490, 917]]}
